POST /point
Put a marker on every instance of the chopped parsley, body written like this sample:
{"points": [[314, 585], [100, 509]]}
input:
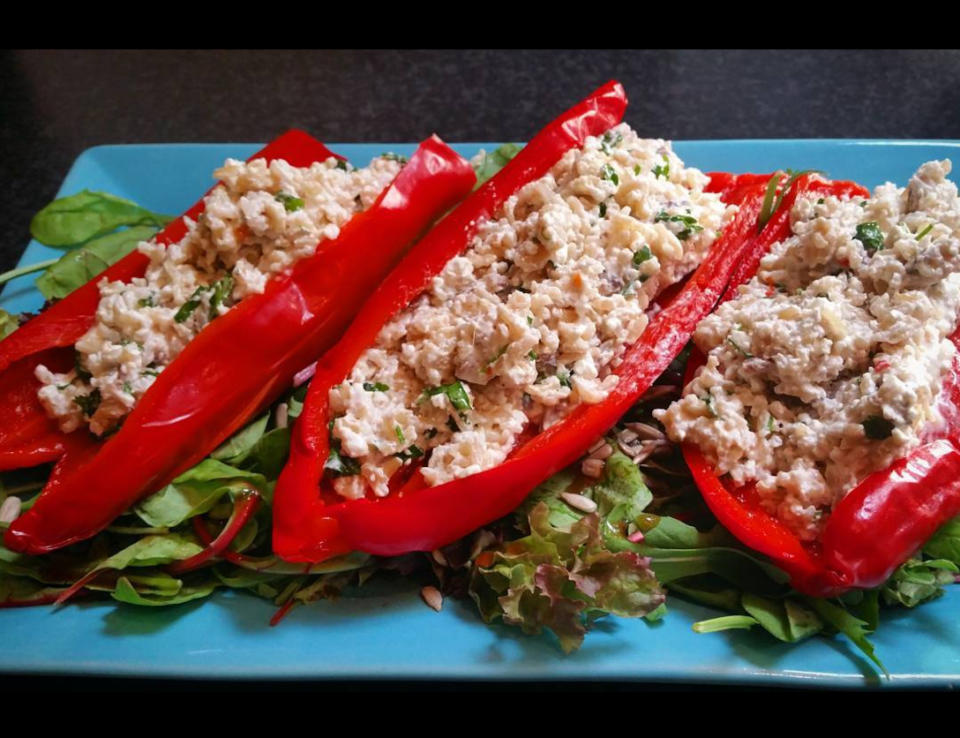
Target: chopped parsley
{"points": [[341, 164], [877, 427], [708, 401], [146, 302], [610, 142], [532, 355], [414, 452], [399, 431], [689, 222], [291, 203], [390, 156], [186, 310], [663, 171], [88, 403], [642, 255], [222, 289], [870, 235], [925, 231], [150, 373], [338, 465], [128, 388], [529, 320], [609, 173], [564, 377], [375, 387], [770, 423], [603, 210], [746, 354], [455, 392]]}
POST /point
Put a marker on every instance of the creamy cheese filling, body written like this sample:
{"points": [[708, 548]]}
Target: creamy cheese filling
{"points": [[530, 321], [260, 220], [828, 364]]}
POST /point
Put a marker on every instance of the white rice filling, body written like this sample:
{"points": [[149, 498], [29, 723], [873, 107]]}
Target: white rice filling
{"points": [[531, 320], [828, 364], [260, 220]]}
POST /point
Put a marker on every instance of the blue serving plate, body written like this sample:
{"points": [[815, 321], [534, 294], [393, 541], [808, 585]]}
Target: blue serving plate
{"points": [[384, 631]]}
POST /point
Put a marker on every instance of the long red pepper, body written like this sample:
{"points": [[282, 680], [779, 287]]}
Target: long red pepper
{"points": [[27, 436], [244, 359], [423, 518], [877, 525]]}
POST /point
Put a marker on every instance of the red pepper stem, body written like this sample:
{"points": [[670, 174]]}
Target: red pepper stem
{"points": [[243, 509]]}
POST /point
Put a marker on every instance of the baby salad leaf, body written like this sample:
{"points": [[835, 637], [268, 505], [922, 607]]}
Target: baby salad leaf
{"points": [[494, 161], [125, 591], [917, 581], [786, 620], [236, 448], [945, 543], [561, 579], [8, 323], [79, 266], [76, 219], [842, 621], [195, 492]]}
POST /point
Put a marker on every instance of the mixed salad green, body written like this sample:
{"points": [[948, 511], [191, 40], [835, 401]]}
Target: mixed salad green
{"points": [[578, 549]]}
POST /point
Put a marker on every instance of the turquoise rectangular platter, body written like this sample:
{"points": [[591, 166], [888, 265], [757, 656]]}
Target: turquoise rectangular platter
{"points": [[384, 631]]}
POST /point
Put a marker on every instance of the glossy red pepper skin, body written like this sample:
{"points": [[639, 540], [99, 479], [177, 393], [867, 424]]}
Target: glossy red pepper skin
{"points": [[244, 359], [27, 436], [424, 518], [877, 525]]}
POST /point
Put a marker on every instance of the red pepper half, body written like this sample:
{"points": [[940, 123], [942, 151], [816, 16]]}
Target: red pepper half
{"points": [[416, 517], [240, 362], [877, 525], [27, 436]]}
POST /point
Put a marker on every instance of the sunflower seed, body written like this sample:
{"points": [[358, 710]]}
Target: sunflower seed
{"points": [[645, 431], [603, 452], [579, 502], [10, 509], [433, 598], [592, 468]]}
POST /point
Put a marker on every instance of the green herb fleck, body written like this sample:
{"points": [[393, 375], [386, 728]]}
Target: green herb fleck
{"points": [[663, 171], [603, 210], [610, 142], [290, 202], [399, 431], [390, 156], [708, 401], [414, 452], [689, 222], [88, 403], [564, 377], [642, 255], [341, 164], [222, 289], [609, 173], [455, 392], [186, 310], [925, 231], [375, 387], [532, 355], [338, 465], [870, 235], [146, 302]]}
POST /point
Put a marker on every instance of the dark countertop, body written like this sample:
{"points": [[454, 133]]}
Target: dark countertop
{"points": [[55, 104]]}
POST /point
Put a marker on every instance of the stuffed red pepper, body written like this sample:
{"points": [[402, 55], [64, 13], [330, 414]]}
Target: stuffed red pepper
{"points": [[821, 416], [508, 340], [172, 362]]}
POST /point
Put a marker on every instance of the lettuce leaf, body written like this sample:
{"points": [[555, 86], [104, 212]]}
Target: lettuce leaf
{"points": [[561, 579]]}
